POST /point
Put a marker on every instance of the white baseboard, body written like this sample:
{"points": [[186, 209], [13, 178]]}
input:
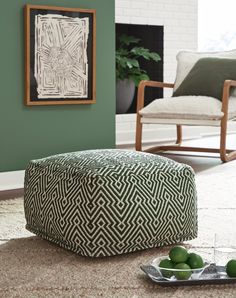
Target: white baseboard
{"points": [[12, 180]]}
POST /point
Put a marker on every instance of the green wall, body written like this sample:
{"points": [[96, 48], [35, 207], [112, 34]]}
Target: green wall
{"points": [[34, 132]]}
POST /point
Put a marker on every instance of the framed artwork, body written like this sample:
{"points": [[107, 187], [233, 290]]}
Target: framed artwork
{"points": [[60, 61]]}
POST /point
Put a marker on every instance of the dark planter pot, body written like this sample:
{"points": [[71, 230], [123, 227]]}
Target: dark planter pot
{"points": [[124, 95]]}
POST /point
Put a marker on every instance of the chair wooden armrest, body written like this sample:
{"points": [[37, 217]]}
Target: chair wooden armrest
{"points": [[141, 90], [226, 93], [232, 83]]}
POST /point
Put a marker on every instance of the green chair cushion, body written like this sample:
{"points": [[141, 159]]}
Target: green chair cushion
{"points": [[207, 77]]}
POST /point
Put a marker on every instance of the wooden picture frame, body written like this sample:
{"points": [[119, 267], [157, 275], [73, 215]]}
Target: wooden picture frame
{"points": [[60, 55]]}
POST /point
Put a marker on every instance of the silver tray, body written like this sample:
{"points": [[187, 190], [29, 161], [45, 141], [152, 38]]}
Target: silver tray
{"points": [[210, 275]]}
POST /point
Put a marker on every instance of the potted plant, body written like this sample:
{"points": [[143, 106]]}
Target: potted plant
{"points": [[128, 71]]}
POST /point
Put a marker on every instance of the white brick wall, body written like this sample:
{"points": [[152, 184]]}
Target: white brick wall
{"points": [[179, 18]]}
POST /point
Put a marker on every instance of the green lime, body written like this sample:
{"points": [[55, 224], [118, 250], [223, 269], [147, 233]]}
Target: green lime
{"points": [[231, 268], [195, 261], [182, 275], [168, 264], [178, 254]]}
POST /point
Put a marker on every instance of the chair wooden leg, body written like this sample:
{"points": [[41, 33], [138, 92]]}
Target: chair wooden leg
{"points": [[179, 134], [138, 141], [225, 155], [223, 133]]}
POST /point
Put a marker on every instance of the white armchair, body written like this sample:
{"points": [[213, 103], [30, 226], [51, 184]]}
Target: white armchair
{"points": [[189, 109]]}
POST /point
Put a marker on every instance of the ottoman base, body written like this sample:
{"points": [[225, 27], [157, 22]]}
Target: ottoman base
{"points": [[112, 251]]}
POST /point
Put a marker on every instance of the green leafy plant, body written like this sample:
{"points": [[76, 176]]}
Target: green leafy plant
{"points": [[127, 55]]}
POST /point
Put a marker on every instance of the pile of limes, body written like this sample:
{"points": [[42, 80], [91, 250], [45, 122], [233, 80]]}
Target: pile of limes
{"points": [[179, 258]]}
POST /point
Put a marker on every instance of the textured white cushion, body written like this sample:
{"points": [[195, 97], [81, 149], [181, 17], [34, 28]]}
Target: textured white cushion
{"points": [[187, 59], [188, 107]]}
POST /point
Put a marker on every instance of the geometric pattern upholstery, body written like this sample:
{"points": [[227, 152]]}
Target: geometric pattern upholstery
{"points": [[107, 202]]}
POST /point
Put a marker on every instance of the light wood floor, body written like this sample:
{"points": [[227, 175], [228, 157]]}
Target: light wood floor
{"points": [[202, 161]]}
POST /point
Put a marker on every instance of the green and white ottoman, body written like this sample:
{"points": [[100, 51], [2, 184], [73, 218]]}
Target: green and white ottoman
{"points": [[107, 202]]}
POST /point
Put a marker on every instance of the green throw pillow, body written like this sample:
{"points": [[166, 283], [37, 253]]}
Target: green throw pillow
{"points": [[207, 77]]}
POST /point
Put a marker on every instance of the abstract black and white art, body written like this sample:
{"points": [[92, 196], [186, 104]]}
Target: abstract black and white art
{"points": [[61, 62], [60, 55]]}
